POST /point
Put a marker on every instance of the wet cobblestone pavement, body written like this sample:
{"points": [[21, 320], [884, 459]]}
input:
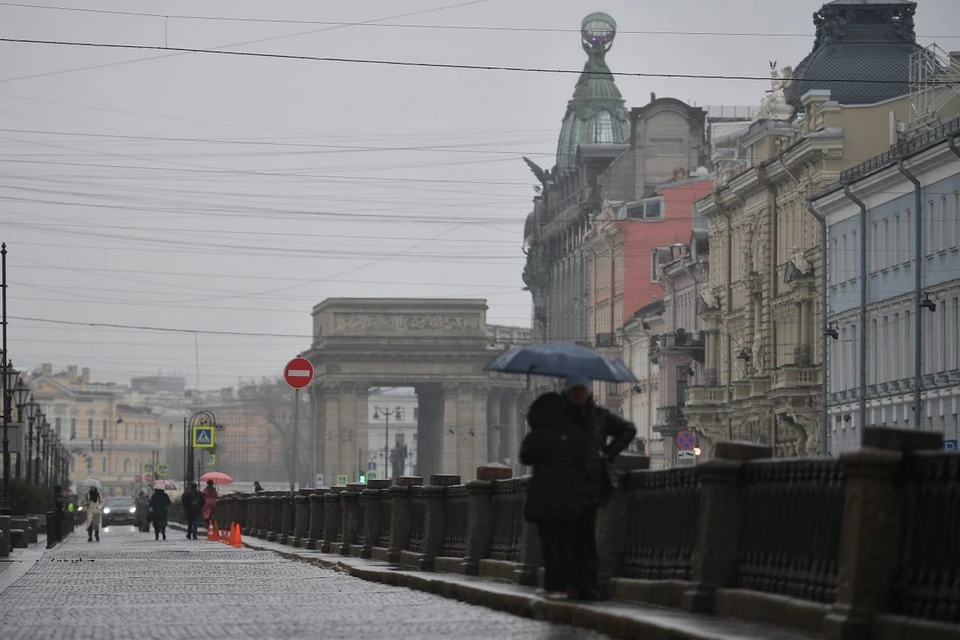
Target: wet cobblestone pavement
{"points": [[130, 586]]}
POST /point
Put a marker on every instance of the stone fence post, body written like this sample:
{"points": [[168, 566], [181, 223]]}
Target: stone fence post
{"points": [[434, 527], [611, 522], [5, 522], [263, 514], [480, 515], [301, 518], [349, 505], [371, 522], [275, 514], [316, 518], [286, 518], [530, 553], [332, 519], [400, 516], [873, 512], [717, 544]]}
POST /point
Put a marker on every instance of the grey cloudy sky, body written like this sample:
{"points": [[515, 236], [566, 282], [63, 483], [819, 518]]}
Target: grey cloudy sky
{"points": [[223, 193]]}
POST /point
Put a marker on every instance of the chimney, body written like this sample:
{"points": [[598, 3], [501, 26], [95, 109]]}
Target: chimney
{"points": [[85, 375], [46, 369], [72, 372]]}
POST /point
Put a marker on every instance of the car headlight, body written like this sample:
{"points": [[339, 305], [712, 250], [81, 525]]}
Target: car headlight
{"points": [[106, 511], [133, 509]]}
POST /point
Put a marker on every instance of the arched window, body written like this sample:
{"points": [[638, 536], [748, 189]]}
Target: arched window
{"points": [[126, 465], [104, 436], [603, 128]]}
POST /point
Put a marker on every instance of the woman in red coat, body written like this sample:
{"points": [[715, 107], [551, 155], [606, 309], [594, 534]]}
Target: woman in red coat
{"points": [[209, 502]]}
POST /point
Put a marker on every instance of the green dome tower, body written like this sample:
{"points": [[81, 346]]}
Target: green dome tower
{"points": [[596, 114]]}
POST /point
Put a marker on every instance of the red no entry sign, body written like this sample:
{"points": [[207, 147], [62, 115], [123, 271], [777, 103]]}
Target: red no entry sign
{"points": [[298, 373], [686, 440]]}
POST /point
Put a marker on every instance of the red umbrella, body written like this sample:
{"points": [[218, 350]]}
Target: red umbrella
{"points": [[217, 477]]}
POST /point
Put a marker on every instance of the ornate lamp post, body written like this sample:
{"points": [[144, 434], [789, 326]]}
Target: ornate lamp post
{"points": [[21, 394], [40, 420], [8, 377], [32, 411], [387, 413]]}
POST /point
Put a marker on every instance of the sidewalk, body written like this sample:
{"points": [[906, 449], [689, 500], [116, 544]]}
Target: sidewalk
{"points": [[618, 619], [131, 586]]}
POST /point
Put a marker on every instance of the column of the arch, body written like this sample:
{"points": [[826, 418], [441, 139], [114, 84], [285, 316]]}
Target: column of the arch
{"points": [[478, 441], [330, 432], [429, 429], [354, 440]]}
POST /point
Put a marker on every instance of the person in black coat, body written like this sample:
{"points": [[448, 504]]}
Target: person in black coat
{"points": [[571, 443], [192, 503], [553, 495]]}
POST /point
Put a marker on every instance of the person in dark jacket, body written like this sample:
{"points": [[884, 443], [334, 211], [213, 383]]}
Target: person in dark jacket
{"points": [[553, 495], [585, 438], [159, 506], [143, 513], [256, 487], [192, 503]]}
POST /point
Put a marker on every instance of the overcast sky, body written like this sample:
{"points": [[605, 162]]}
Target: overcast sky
{"points": [[231, 194]]}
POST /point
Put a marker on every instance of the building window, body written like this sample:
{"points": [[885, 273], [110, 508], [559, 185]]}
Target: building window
{"points": [[89, 427], [103, 464], [944, 224], [73, 428], [653, 266], [897, 356], [928, 223], [603, 128], [416, 414], [104, 428], [885, 260], [855, 364], [126, 465], [907, 344], [874, 370], [908, 237], [875, 248], [58, 425], [896, 239], [954, 217], [126, 431]]}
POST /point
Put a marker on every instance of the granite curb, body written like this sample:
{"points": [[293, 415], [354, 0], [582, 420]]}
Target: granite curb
{"points": [[628, 621]]}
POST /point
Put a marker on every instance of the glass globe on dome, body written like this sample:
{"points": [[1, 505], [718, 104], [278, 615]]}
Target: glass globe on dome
{"points": [[598, 29]]}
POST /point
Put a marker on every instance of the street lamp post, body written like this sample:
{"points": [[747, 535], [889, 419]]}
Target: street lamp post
{"points": [[9, 377], [201, 418], [32, 412], [21, 393], [386, 413]]}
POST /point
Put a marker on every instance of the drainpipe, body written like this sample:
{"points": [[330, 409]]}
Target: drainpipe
{"points": [[863, 303], [917, 296], [824, 349]]}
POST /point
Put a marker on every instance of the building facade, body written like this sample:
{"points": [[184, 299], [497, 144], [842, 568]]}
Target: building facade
{"points": [[762, 370], [683, 270], [881, 316], [640, 400], [109, 440]]}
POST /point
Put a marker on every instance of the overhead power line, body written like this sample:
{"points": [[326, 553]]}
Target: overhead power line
{"points": [[108, 325], [441, 27], [428, 65]]}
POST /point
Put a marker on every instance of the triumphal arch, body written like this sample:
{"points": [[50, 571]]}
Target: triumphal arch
{"points": [[466, 417]]}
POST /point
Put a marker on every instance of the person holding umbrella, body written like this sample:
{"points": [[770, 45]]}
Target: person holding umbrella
{"points": [[209, 503], [570, 447], [93, 503]]}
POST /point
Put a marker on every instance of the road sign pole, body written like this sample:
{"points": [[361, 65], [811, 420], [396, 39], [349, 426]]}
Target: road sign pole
{"points": [[293, 444]]}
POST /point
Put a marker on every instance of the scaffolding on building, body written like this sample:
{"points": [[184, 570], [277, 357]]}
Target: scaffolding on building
{"points": [[934, 82]]}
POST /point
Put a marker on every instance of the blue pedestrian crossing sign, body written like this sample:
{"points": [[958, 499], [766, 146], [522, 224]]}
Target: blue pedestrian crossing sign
{"points": [[203, 438], [950, 445]]}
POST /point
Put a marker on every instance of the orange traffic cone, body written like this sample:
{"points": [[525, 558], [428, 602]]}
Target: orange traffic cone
{"points": [[236, 537], [210, 530]]}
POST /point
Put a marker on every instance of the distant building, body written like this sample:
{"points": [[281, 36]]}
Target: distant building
{"points": [[641, 400]]}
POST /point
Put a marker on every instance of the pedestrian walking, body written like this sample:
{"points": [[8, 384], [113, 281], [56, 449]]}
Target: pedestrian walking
{"points": [[159, 507], [93, 502], [209, 503], [573, 444], [143, 512], [192, 503]]}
